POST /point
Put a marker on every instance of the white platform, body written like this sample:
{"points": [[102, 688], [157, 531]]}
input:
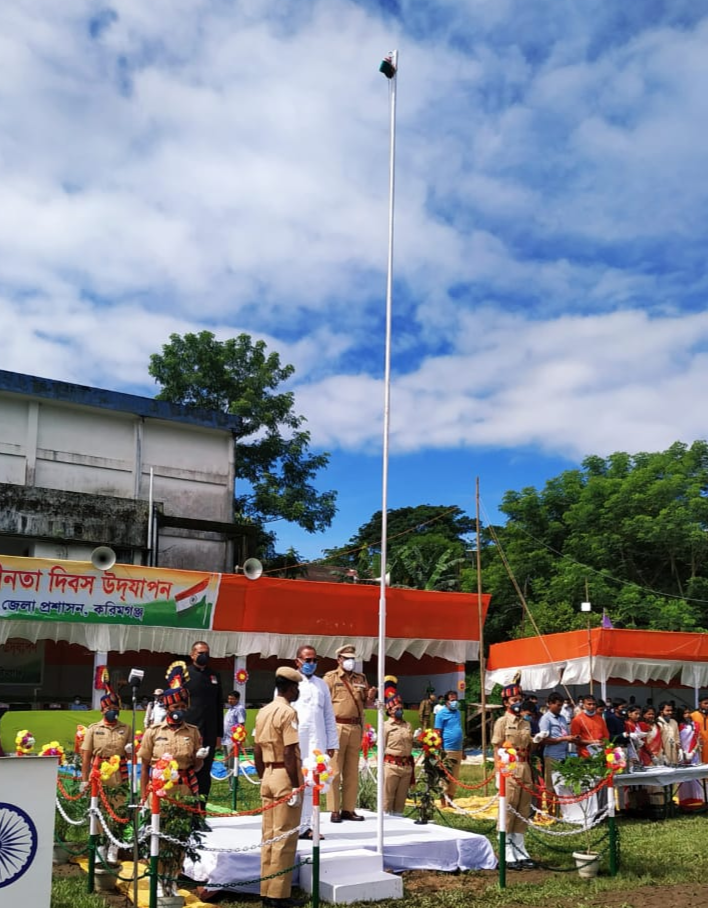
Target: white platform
{"points": [[350, 867]]}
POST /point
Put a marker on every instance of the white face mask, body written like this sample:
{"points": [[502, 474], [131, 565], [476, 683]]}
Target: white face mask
{"points": [[348, 665]]}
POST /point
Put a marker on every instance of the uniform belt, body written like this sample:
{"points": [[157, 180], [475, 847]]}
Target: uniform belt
{"points": [[275, 765], [398, 761], [347, 721]]}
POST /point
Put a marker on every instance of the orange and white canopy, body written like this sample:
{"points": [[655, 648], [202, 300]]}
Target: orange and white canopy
{"points": [[131, 608], [611, 655]]}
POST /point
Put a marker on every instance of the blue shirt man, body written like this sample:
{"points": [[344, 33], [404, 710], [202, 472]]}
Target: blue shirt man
{"points": [[447, 722], [235, 715]]}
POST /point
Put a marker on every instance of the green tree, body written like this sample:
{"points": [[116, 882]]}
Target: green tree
{"points": [[272, 450], [629, 529], [426, 547]]}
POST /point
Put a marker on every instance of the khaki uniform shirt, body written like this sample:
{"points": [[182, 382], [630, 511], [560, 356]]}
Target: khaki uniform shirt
{"points": [[425, 712], [276, 728], [345, 705], [398, 738], [514, 730], [105, 741], [180, 743]]}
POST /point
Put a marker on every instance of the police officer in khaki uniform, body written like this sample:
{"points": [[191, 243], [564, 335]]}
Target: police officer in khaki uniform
{"points": [[350, 692], [106, 739], [277, 757], [511, 730], [103, 740], [397, 743], [175, 737]]}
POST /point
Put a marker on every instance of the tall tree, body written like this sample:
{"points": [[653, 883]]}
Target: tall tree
{"points": [[272, 450], [426, 546], [629, 529]]}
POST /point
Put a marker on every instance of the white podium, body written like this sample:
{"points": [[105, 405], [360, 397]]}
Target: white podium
{"points": [[27, 798]]}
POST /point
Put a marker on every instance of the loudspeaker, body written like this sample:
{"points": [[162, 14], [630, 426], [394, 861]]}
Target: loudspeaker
{"points": [[252, 568], [103, 558]]}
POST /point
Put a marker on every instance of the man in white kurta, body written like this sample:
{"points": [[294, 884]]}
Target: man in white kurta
{"points": [[316, 722]]}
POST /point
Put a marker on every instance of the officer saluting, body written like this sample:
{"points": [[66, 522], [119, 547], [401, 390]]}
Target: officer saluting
{"points": [[277, 757], [349, 691]]}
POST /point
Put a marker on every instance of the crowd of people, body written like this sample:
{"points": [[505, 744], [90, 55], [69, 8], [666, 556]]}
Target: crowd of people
{"points": [[309, 713], [544, 737]]}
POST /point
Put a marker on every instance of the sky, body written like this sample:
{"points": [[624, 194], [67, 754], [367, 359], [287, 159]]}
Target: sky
{"points": [[182, 165]]}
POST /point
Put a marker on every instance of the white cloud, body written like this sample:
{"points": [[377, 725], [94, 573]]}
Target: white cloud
{"points": [[224, 166], [573, 385]]}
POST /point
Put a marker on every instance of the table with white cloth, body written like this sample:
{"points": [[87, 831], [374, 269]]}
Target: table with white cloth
{"points": [[666, 777], [584, 813]]}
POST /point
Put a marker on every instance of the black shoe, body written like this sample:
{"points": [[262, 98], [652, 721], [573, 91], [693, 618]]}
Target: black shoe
{"points": [[528, 864], [335, 817], [308, 835], [514, 865], [351, 815]]}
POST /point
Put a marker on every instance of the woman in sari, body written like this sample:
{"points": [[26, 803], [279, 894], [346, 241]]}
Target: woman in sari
{"points": [[690, 793]]}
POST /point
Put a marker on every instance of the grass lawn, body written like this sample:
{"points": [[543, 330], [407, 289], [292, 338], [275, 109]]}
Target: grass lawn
{"points": [[661, 867]]}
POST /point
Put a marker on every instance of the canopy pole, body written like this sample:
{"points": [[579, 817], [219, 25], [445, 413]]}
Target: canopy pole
{"points": [[389, 68]]}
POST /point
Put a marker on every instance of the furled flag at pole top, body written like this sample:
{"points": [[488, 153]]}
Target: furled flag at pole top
{"points": [[606, 623], [389, 64]]}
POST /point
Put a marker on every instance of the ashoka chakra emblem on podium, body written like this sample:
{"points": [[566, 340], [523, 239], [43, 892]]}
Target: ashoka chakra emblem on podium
{"points": [[18, 843]]}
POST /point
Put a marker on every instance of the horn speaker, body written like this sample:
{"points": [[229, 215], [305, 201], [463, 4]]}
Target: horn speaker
{"points": [[252, 568], [103, 558]]}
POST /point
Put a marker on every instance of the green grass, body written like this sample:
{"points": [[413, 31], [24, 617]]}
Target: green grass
{"points": [[71, 893], [654, 854]]}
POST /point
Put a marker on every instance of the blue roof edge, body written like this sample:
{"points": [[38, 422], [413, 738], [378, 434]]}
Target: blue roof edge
{"points": [[101, 398]]}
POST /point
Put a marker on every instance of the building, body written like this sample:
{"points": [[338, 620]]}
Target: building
{"points": [[82, 467]]}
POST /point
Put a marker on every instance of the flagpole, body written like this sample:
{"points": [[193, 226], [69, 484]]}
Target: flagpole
{"points": [[389, 68]]}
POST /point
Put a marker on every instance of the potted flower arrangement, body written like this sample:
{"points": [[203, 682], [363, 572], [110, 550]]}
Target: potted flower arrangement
{"points": [[430, 786], [581, 775], [182, 840]]}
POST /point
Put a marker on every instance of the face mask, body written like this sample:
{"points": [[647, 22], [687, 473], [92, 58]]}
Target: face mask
{"points": [[296, 694], [589, 712], [348, 665], [111, 716], [704, 710], [516, 708], [398, 713], [453, 704], [202, 659], [308, 669], [176, 717]]}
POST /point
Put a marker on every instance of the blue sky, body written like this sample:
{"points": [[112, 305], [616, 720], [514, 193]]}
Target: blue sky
{"points": [[174, 166]]}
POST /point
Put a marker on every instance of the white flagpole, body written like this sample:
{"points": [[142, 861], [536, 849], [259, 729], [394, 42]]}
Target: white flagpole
{"points": [[389, 67]]}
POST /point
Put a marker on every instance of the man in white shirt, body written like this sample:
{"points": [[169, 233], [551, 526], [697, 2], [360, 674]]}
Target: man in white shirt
{"points": [[316, 723]]}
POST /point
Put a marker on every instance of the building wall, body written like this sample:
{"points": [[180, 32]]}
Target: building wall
{"points": [[102, 445]]}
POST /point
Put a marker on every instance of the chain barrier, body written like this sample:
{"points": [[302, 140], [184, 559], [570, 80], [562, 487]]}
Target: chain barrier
{"points": [[175, 841], [235, 884], [69, 820], [200, 811], [96, 812], [65, 794], [597, 819], [540, 792], [111, 813], [466, 811], [459, 784], [557, 848]]}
